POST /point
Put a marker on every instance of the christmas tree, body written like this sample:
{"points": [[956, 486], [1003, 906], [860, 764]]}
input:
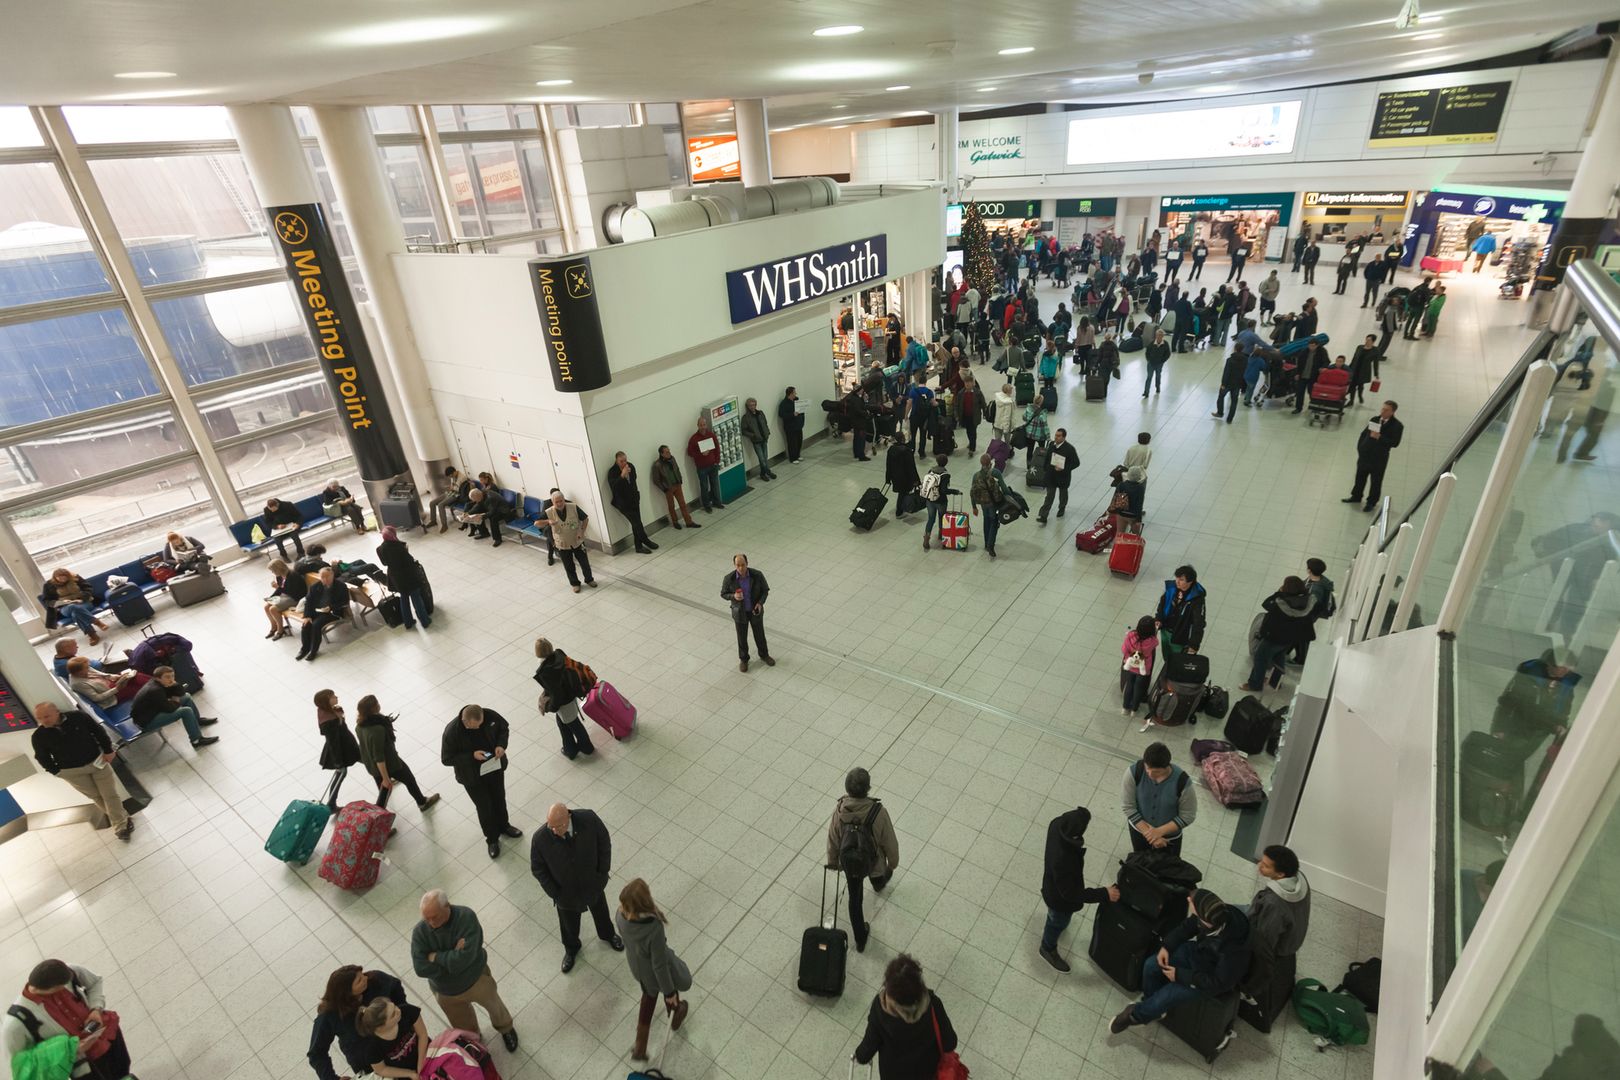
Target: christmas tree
{"points": [[977, 265]]}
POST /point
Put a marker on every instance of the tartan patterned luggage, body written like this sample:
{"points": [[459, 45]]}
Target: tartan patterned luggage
{"points": [[354, 856]]}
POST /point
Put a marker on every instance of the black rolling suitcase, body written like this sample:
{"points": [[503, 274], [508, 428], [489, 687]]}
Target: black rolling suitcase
{"points": [[1267, 991], [1490, 781], [1186, 667], [1156, 884], [389, 607], [1204, 1023], [1251, 726], [1039, 460], [866, 512], [1096, 387], [129, 605], [1121, 942], [824, 948]]}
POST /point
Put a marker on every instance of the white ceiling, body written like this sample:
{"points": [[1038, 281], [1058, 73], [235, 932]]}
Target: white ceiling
{"points": [[946, 51]]}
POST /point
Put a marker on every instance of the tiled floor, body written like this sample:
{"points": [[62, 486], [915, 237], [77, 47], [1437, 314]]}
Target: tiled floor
{"points": [[981, 695]]}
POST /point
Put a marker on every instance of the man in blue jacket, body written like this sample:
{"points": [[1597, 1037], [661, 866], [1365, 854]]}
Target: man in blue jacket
{"points": [[1207, 955]]}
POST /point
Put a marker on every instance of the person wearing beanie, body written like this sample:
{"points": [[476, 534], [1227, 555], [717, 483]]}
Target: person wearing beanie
{"points": [[1207, 955], [405, 577], [1063, 885]]}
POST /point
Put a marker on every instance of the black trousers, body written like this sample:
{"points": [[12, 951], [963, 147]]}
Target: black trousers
{"points": [[309, 635], [1310, 274], [637, 529], [575, 739], [569, 557], [1383, 342], [334, 786], [569, 922], [1227, 399], [1342, 284], [1061, 494], [856, 887], [1369, 295], [1197, 270], [281, 539], [1413, 321], [970, 427], [743, 620], [488, 794], [401, 773], [795, 442], [1370, 471], [1237, 268], [355, 515], [1302, 393]]}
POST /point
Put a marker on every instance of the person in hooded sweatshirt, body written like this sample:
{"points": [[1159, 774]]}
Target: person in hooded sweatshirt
{"points": [[1279, 916], [1063, 885], [1208, 954], [900, 1026], [1284, 627], [858, 809]]}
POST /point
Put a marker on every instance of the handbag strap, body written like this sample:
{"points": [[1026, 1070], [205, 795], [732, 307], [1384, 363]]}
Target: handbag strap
{"points": [[939, 1040]]}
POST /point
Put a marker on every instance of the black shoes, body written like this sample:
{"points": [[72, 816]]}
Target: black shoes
{"points": [[207, 721], [768, 661], [568, 962], [1123, 1020], [494, 849], [511, 1040], [206, 740], [616, 943], [1051, 957], [692, 525], [1351, 499], [513, 831]]}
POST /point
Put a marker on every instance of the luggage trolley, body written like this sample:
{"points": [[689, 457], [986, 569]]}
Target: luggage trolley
{"points": [[1329, 395]]}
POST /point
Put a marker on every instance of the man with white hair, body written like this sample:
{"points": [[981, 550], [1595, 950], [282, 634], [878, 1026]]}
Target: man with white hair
{"points": [[447, 949]]}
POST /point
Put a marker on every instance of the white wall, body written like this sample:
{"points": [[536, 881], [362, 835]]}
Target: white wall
{"points": [[1547, 110], [819, 151]]}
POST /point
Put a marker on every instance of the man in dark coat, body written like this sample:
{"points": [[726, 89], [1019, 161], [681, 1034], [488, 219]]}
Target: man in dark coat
{"points": [[281, 522], [474, 738], [1063, 884], [747, 589], [1063, 461], [571, 858], [625, 495], [1381, 435]]}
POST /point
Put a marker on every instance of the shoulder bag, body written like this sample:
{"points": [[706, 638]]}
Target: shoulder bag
{"points": [[950, 1063]]}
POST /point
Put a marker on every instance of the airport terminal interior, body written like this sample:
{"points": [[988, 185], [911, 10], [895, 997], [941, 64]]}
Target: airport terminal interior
{"points": [[389, 291]]}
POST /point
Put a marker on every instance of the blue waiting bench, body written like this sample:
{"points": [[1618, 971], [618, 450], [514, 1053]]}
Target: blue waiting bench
{"points": [[137, 573], [310, 513]]}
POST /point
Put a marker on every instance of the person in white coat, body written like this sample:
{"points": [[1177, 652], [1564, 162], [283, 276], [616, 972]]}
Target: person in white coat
{"points": [[1007, 413]]}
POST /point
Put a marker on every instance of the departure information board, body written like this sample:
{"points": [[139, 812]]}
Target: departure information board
{"points": [[13, 715], [1439, 116]]}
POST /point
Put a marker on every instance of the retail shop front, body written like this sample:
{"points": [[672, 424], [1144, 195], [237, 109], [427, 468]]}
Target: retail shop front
{"points": [[1222, 220], [1333, 217], [1446, 224], [1077, 217]]}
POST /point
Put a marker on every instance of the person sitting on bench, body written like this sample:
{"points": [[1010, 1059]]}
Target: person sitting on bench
{"points": [[326, 602], [1206, 956], [107, 691], [282, 521]]}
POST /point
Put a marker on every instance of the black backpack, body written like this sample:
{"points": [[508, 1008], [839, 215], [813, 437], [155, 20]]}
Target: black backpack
{"points": [[857, 845], [1361, 982]]}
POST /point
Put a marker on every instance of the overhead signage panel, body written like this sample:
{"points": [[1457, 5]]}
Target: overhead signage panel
{"points": [[1439, 116], [775, 286]]}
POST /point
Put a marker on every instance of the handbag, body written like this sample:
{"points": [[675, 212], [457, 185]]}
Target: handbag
{"points": [[1020, 437], [1372, 387], [950, 1064], [162, 573], [331, 509]]}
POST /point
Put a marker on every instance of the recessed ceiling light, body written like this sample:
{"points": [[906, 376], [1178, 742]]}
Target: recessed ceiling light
{"points": [[837, 31], [902, 86], [1221, 89], [1428, 37], [144, 75], [555, 82], [842, 70], [407, 31], [1016, 50], [986, 89], [839, 127], [840, 106]]}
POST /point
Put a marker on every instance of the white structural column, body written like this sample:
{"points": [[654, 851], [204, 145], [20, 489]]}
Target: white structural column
{"points": [[753, 141], [377, 234], [25, 670], [1592, 201], [104, 235], [945, 151]]}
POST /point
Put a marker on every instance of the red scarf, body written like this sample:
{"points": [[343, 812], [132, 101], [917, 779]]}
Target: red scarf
{"points": [[71, 1012]]}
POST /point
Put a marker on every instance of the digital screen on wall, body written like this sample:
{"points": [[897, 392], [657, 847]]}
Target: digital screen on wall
{"points": [[1232, 131], [953, 219], [1439, 116], [713, 157]]}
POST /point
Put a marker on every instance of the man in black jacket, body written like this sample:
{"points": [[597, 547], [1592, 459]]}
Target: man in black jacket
{"points": [[279, 514], [1063, 461], [571, 858], [76, 748], [1232, 382], [163, 701], [1381, 435], [1313, 255], [472, 741], [747, 589], [327, 602], [1373, 275], [792, 420], [1063, 884], [1207, 955], [626, 499]]}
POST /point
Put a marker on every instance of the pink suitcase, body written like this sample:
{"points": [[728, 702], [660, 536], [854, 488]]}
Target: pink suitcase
{"points": [[1232, 779], [359, 834], [458, 1055], [607, 707]]}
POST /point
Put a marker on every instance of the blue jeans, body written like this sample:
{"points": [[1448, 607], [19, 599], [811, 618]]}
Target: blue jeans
{"points": [[991, 525], [763, 453], [1155, 375], [414, 599], [1056, 923], [709, 487], [79, 615], [936, 512], [1160, 995], [1267, 655], [186, 714]]}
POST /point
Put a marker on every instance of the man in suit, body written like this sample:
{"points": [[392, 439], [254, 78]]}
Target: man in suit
{"points": [[470, 742], [1381, 435], [747, 589], [571, 858], [326, 602]]}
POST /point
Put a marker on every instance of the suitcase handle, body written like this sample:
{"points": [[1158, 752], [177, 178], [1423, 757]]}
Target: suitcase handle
{"points": [[822, 919]]}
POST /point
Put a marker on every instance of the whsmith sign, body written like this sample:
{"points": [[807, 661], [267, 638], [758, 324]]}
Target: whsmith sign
{"points": [[797, 279]]}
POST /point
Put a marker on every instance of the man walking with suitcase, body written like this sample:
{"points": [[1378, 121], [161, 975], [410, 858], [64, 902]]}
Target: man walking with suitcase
{"points": [[571, 858], [747, 590], [861, 842]]}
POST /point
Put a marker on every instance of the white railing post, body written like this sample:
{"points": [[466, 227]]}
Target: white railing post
{"points": [[1391, 569], [1432, 525]]}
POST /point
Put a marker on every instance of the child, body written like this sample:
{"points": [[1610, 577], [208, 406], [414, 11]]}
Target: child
{"points": [[1137, 671]]}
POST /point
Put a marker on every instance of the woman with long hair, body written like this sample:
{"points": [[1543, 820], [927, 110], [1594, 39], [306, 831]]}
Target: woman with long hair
{"points": [[654, 964], [906, 1028], [347, 989], [339, 749], [374, 729]]}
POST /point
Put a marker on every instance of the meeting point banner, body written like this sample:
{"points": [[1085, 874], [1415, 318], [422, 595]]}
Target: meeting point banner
{"points": [[571, 323], [322, 291]]}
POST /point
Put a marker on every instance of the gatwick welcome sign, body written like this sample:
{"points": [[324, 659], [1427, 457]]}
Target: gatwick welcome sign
{"points": [[797, 279]]}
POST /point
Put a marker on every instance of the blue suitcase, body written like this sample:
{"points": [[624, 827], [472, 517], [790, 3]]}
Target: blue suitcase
{"points": [[1295, 348], [296, 835]]}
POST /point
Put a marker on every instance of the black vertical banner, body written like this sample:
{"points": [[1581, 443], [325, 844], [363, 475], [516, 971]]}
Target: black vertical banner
{"points": [[1575, 238], [565, 293], [329, 311]]}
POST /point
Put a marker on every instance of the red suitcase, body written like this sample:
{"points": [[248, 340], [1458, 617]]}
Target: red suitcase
{"points": [[1097, 538], [1126, 558], [607, 707], [358, 837]]}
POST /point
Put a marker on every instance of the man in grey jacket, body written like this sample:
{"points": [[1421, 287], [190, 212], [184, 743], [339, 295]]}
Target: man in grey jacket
{"points": [[1279, 916], [447, 949], [1158, 801]]}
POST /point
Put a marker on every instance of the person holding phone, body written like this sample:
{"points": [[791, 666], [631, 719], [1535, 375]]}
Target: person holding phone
{"points": [[746, 589], [65, 999], [474, 745]]}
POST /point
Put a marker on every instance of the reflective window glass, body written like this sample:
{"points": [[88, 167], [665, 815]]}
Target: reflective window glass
{"points": [[44, 254], [291, 464], [232, 332], [500, 187], [39, 462], [17, 127], [484, 117], [412, 185], [186, 217], [58, 367], [252, 408], [392, 119], [121, 520], [148, 123], [598, 114]]}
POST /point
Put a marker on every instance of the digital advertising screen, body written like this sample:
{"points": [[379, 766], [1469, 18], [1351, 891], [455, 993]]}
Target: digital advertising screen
{"points": [[1253, 130], [713, 157]]}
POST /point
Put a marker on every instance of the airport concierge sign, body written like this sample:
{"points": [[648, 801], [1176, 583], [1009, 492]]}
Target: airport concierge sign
{"points": [[1439, 116], [775, 286], [571, 323]]}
